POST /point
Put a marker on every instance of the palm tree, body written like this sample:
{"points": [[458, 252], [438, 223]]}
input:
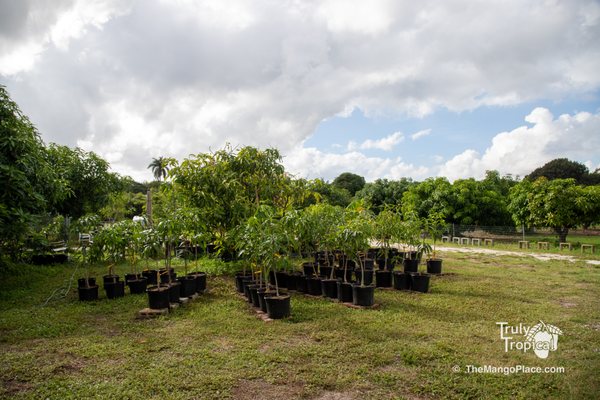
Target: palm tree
{"points": [[159, 168]]}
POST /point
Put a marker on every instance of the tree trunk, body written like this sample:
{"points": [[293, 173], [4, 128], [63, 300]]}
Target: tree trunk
{"points": [[562, 233]]}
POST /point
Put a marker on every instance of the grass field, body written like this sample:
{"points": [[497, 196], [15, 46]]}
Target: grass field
{"points": [[216, 347]]}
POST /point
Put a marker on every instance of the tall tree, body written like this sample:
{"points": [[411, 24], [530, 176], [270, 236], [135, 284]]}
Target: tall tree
{"points": [[382, 193], [561, 168], [27, 178], [431, 195], [159, 167], [87, 177], [349, 181], [560, 204]]}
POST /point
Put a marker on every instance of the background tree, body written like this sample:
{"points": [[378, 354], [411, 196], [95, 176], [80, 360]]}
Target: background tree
{"points": [[159, 167], [87, 176], [349, 181], [27, 178], [560, 204], [321, 191], [562, 168], [382, 193], [431, 195]]}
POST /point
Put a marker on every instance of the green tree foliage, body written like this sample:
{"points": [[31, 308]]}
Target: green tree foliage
{"points": [[560, 204], [87, 177], [321, 191], [228, 186], [480, 203], [562, 168], [27, 178], [382, 193], [431, 195], [349, 181]]}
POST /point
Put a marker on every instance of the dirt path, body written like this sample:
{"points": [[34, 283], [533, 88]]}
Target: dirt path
{"points": [[539, 256]]}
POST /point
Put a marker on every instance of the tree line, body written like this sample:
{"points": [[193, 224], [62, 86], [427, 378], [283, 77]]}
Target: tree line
{"points": [[45, 186]]}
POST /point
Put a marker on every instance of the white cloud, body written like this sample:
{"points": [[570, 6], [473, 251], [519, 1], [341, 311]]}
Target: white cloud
{"points": [[420, 134], [141, 79], [386, 143], [525, 148], [311, 162]]}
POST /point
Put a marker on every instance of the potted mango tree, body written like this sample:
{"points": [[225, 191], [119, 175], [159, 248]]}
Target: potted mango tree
{"points": [[411, 232], [434, 225], [356, 234], [386, 227], [135, 280], [85, 227]]}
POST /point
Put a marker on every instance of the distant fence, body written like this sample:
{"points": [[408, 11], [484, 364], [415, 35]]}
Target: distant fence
{"points": [[515, 234]]}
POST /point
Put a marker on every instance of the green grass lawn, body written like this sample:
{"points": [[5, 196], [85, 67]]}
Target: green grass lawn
{"points": [[216, 347]]}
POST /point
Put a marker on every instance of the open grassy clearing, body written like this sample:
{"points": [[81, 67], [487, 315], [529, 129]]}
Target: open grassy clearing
{"points": [[216, 348]]}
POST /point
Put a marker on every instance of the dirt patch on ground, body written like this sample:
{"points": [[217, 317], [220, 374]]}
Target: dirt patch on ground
{"points": [[336, 396], [567, 304], [248, 390], [14, 387]]}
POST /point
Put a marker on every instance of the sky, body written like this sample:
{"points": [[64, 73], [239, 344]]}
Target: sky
{"points": [[380, 88]]}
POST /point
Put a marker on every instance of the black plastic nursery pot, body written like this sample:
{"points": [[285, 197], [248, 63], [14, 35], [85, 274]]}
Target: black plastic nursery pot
{"points": [[188, 286], [339, 273], [262, 292], [388, 264], [88, 293], [372, 252], [137, 286], [253, 289], [313, 284], [175, 292], [114, 289], [252, 293], [247, 285], [131, 277], [329, 288], [239, 278], [369, 263], [363, 295], [368, 276], [110, 278], [434, 266], [282, 279], [383, 279], [419, 282], [90, 282], [278, 306], [344, 292], [411, 265], [309, 268], [150, 275], [164, 277], [292, 280], [200, 278], [301, 285], [401, 280], [158, 297], [325, 271]]}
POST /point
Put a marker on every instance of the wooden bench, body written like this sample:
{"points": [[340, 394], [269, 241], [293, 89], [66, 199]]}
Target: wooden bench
{"points": [[58, 247], [591, 247], [488, 242], [523, 244], [543, 245], [563, 245]]}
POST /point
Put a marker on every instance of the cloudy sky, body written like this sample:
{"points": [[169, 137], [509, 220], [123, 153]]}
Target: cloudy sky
{"points": [[381, 88]]}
